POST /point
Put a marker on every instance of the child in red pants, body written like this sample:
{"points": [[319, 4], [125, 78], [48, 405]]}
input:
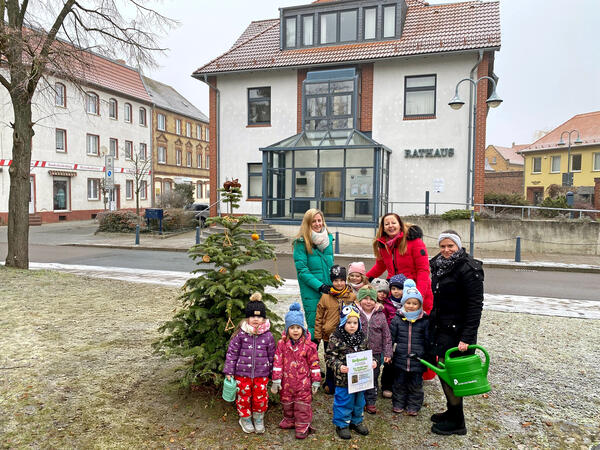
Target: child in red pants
{"points": [[250, 359], [296, 372]]}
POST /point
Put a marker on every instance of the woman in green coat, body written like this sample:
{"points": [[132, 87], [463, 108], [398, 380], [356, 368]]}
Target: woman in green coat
{"points": [[313, 258]]}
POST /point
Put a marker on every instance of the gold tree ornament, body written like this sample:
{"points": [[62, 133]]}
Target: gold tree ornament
{"points": [[222, 270], [206, 259], [230, 325]]}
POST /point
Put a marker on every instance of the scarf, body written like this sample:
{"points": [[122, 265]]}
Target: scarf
{"points": [[390, 243], [411, 316], [262, 328], [335, 293], [397, 304], [320, 239], [352, 340], [445, 265], [356, 287]]}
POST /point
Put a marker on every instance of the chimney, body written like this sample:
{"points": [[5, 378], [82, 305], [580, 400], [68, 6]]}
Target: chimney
{"points": [[121, 61]]}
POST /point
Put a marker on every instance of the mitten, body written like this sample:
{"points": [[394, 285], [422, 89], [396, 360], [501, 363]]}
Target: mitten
{"points": [[315, 387], [276, 386]]}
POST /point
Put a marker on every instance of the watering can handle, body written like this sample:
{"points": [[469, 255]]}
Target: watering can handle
{"points": [[486, 365]]}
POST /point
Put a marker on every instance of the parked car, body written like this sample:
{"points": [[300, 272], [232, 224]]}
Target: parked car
{"points": [[201, 210]]}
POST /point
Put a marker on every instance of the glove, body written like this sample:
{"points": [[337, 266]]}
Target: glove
{"points": [[371, 279], [315, 387], [324, 289], [276, 386]]}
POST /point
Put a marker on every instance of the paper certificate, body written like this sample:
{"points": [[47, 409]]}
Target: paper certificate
{"points": [[360, 371]]}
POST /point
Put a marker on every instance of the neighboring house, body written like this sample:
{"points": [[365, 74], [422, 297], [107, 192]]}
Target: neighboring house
{"points": [[504, 169], [75, 127], [180, 135], [343, 105], [547, 162]]}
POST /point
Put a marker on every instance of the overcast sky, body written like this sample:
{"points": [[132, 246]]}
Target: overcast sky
{"points": [[549, 63]]}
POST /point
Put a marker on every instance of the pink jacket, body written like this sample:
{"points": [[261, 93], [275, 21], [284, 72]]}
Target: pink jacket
{"points": [[297, 366]]}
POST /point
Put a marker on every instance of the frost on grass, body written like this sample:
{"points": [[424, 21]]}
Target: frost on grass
{"points": [[78, 371]]}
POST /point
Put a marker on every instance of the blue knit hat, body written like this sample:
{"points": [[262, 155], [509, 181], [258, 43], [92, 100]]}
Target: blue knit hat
{"points": [[411, 291], [350, 310], [398, 281], [294, 316]]}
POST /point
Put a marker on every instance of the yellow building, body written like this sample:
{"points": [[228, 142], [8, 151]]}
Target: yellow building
{"points": [[179, 143], [504, 159], [546, 160]]}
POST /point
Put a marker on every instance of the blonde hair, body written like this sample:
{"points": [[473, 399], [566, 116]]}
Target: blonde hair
{"points": [[400, 244], [305, 229]]}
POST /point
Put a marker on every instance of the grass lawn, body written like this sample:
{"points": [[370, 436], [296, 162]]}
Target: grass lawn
{"points": [[77, 371]]}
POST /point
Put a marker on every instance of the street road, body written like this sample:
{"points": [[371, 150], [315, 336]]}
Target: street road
{"points": [[523, 282]]}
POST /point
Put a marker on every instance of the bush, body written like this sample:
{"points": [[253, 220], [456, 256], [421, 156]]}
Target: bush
{"points": [[553, 202], [117, 221], [171, 199], [505, 199], [175, 219], [458, 214], [186, 191]]}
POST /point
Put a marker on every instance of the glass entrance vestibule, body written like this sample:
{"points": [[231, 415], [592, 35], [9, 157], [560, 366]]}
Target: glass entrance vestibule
{"points": [[342, 172]]}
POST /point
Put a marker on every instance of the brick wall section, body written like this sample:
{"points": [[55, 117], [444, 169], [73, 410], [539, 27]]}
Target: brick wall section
{"points": [[212, 145], [484, 69], [504, 182], [366, 98], [301, 78]]}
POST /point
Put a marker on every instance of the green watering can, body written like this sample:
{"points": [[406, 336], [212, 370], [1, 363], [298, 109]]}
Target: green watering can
{"points": [[229, 389], [465, 374]]}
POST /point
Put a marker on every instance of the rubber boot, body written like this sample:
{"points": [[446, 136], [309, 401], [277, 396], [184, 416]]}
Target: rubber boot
{"points": [[288, 421], [440, 417], [246, 424], [454, 424], [259, 424]]}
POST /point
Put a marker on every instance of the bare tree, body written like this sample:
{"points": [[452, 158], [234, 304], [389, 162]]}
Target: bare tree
{"points": [[141, 165], [39, 38]]}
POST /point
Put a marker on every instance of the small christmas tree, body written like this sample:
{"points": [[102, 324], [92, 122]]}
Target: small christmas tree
{"points": [[214, 299]]}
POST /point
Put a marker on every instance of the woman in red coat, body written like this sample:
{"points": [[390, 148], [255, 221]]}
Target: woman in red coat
{"points": [[399, 249]]}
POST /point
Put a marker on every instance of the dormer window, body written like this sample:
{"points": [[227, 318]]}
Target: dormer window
{"points": [[370, 23], [307, 30], [328, 28], [348, 26], [389, 21], [290, 32]]}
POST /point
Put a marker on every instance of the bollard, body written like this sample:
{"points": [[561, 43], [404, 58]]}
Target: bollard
{"points": [[426, 203], [570, 197], [262, 235], [337, 242], [137, 235], [197, 235], [518, 250]]}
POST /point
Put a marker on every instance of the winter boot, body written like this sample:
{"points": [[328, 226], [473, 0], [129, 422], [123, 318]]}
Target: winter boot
{"points": [[360, 428], [288, 421], [343, 433], [454, 423], [259, 424], [440, 417], [246, 424]]}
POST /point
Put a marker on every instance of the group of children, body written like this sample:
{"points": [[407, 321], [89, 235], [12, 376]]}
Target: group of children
{"points": [[355, 315]]}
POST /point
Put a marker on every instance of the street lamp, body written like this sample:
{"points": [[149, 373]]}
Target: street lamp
{"points": [[456, 103], [576, 141]]}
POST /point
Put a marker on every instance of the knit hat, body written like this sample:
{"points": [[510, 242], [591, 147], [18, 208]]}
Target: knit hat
{"points": [[255, 307], [381, 285], [295, 316], [337, 273], [411, 291], [367, 291], [398, 281], [349, 311], [357, 267]]}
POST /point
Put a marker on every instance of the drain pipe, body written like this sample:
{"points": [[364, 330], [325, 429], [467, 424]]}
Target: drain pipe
{"points": [[470, 172], [204, 79]]}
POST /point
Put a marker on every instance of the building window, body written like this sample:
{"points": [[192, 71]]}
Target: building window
{"points": [[178, 157], [143, 189], [206, 138], [60, 98], [596, 159], [199, 160], [259, 106], [178, 127], [128, 189], [188, 129], [127, 112], [329, 104], [198, 132], [537, 164], [113, 147], [199, 190], [348, 25], [113, 109], [290, 32], [328, 28], [576, 163], [188, 159], [389, 21], [143, 116], [308, 30], [161, 122], [419, 96], [92, 103], [255, 180], [207, 161], [207, 191], [93, 193], [128, 150], [60, 194], [93, 144], [61, 140], [494, 160], [143, 152], [370, 23], [555, 168], [162, 155]]}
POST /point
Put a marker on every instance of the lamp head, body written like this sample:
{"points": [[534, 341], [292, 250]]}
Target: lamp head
{"points": [[456, 102], [578, 141], [493, 100], [561, 142]]}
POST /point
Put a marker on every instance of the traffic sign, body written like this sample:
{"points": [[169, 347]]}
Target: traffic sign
{"points": [[109, 174]]}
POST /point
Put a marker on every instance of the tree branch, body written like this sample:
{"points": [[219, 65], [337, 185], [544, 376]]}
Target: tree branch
{"points": [[21, 16]]}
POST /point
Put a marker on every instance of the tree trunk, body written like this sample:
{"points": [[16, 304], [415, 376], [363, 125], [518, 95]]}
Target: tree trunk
{"points": [[18, 200]]}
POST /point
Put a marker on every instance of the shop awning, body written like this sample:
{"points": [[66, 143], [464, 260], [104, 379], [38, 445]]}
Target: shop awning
{"points": [[325, 139], [62, 173]]}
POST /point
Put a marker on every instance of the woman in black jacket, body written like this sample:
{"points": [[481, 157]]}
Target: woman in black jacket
{"points": [[457, 284]]}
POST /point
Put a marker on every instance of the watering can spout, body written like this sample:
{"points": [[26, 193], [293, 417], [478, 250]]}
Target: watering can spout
{"points": [[441, 372]]}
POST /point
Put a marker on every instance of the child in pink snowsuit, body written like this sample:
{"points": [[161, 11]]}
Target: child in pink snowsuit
{"points": [[296, 372]]}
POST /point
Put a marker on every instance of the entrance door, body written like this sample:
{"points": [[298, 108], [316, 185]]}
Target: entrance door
{"points": [[31, 195], [331, 192], [116, 197]]}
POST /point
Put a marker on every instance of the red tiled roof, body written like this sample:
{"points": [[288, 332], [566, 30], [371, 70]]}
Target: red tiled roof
{"points": [[510, 153], [427, 29], [587, 124]]}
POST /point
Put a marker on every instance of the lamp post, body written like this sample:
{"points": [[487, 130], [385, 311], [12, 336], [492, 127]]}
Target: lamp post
{"points": [[493, 101], [576, 141]]}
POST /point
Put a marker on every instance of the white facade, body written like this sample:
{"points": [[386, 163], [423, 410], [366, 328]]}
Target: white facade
{"points": [[79, 164]]}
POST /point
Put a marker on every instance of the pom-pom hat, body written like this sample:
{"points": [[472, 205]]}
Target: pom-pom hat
{"points": [[357, 267], [380, 285], [411, 291], [349, 311], [397, 281], [255, 307], [295, 316], [337, 273]]}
